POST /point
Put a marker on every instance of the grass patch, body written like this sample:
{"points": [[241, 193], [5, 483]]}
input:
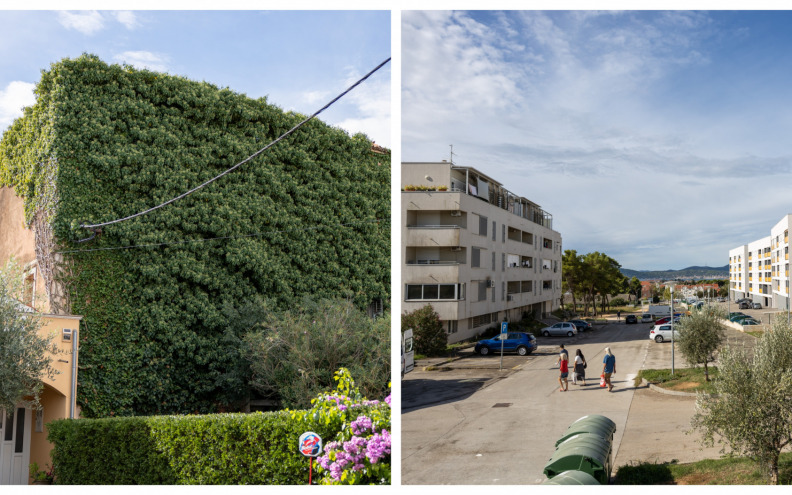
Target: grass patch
{"points": [[755, 333], [683, 379], [726, 471]]}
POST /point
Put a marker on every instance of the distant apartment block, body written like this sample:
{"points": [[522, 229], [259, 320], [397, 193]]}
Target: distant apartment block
{"points": [[759, 270], [475, 251]]}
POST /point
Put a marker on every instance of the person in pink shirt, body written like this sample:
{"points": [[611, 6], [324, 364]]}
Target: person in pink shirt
{"points": [[563, 366]]}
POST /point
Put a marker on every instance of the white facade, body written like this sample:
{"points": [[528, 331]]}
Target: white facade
{"points": [[759, 270], [474, 251]]}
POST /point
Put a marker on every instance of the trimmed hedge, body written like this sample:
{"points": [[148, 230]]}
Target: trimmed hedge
{"points": [[228, 449]]}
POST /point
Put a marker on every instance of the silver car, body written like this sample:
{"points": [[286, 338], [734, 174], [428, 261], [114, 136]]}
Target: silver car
{"points": [[562, 328]]}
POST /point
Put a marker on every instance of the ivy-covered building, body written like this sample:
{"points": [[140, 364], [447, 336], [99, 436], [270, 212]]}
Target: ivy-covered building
{"points": [[310, 216]]}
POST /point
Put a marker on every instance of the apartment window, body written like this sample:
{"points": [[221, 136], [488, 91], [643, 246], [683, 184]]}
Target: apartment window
{"points": [[547, 244], [494, 231], [442, 292], [483, 226], [29, 288], [482, 290], [493, 261], [452, 326], [503, 233], [526, 286], [503, 291], [503, 262], [547, 284], [475, 257], [481, 320]]}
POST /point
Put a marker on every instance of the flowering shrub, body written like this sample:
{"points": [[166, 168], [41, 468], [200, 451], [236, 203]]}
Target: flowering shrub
{"points": [[360, 453]]}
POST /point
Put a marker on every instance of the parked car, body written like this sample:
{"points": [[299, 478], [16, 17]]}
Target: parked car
{"points": [[661, 333], [738, 318], [581, 325], [746, 305], [564, 328], [757, 305], [667, 319], [744, 299], [736, 313], [646, 318], [519, 342], [750, 321], [631, 319]]}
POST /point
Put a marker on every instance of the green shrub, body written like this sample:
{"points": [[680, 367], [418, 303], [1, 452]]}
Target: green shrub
{"points": [[430, 338], [225, 449]]}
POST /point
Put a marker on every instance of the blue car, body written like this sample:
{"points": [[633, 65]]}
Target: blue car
{"points": [[519, 342]]}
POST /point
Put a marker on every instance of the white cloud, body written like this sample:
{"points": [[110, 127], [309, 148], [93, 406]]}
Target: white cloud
{"points": [[127, 18], [87, 22], [143, 60], [13, 98]]}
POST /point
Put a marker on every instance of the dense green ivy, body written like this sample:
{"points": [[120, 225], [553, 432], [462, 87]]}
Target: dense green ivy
{"points": [[106, 141]]}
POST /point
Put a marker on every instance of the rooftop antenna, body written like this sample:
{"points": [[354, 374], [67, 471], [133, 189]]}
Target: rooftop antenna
{"points": [[451, 157]]}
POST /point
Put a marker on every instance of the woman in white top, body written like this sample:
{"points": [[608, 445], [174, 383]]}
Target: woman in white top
{"points": [[580, 366]]}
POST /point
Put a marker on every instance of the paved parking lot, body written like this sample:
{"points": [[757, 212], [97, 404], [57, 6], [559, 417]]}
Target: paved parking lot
{"points": [[475, 423]]}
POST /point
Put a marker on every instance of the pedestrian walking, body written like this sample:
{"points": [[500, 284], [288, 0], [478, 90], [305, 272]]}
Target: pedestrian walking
{"points": [[608, 367], [563, 367], [580, 367]]}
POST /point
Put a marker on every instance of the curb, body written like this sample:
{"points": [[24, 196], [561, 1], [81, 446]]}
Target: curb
{"points": [[661, 390]]}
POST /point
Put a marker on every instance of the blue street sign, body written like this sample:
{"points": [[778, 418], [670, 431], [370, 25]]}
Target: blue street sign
{"points": [[504, 327]]}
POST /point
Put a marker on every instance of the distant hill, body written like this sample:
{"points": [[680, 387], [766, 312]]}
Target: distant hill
{"points": [[691, 272]]}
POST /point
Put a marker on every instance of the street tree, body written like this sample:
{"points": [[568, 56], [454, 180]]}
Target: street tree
{"points": [[700, 336], [751, 410], [25, 355], [430, 338], [634, 288]]}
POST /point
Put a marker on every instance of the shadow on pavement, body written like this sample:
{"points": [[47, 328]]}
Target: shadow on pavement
{"points": [[421, 393]]}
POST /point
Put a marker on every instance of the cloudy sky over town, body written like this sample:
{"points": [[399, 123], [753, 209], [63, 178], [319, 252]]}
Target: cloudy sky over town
{"points": [[298, 60], [658, 138]]}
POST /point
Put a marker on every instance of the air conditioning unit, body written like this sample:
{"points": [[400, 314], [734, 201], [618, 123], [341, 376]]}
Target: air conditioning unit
{"points": [[509, 297], [456, 213], [490, 283], [67, 335], [456, 248]]}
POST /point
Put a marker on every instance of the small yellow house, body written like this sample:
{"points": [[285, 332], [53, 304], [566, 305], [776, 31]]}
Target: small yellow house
{"points": [[23, 432]]}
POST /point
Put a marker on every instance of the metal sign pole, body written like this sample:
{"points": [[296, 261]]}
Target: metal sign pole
{"points": [[504, 334]]}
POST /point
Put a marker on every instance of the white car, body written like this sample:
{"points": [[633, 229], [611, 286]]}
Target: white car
{"points": [[563, 328], [661, 333]]}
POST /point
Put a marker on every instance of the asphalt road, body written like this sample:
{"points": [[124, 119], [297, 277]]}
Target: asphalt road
{"points": [[477, 424]]}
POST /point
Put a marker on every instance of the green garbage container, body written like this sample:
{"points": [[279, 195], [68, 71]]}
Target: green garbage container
{"points": [[587, 452], [572, 478], [593, 423]]}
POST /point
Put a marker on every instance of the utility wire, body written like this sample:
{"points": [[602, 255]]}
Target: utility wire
{"points": [[258, 234], [254, 155]]}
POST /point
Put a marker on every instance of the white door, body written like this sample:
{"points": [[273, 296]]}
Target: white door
{"points": [[14, 446]]}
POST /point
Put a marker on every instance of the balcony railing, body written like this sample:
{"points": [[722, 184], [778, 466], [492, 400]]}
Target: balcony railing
{"points": [[432, 262]]}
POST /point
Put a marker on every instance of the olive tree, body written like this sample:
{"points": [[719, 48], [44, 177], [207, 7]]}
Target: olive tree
{"points": [[700, 336], [751, 411], [25, 355]]}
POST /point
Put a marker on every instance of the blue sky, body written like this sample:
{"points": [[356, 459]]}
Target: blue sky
{"points": [[299, 60], [659, 138]]}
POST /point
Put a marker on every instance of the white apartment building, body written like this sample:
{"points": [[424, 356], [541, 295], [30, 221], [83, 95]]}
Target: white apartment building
{"points": [[760, 270], [476, 252]]}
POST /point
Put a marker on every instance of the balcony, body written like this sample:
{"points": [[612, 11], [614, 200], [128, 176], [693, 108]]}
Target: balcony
{"points": [[432, 235]]}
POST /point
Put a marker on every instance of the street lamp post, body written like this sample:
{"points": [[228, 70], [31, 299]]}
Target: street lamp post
{"points": [[671, 286]]}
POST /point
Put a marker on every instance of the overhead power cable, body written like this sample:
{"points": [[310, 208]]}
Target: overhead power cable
{"points": [[190, 241], [254, 155]]}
